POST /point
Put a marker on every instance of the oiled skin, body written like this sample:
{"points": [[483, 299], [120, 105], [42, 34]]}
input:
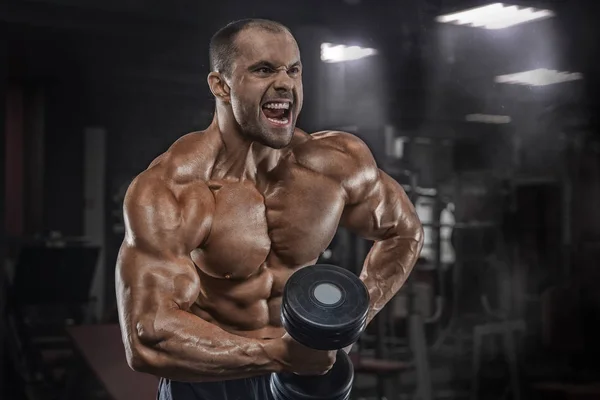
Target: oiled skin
{"points": [[217, 224], [210, 243]]}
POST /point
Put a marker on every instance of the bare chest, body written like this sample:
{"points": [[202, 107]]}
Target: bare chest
{"points": [[291, 218]]}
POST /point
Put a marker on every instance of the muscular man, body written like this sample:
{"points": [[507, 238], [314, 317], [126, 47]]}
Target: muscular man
{"points": [[218, 223]]}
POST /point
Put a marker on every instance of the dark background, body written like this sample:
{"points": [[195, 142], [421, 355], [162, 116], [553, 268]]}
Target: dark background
{"points": [[124, 79]]}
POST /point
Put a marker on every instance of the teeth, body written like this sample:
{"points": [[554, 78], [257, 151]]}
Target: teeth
{"points": [[284, 106], [282, 121]]}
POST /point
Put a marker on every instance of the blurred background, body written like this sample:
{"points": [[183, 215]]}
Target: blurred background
{"points": [[486, 113]]}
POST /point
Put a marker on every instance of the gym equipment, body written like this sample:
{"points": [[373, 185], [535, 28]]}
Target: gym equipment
{"points": [[50, 288], [324, 307], [100, 352]]}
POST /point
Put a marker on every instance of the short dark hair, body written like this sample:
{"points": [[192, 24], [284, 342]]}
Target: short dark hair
{"points": [[222, 45]]}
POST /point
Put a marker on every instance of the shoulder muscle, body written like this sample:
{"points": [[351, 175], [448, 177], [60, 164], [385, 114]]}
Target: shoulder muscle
{"points": [[344, 158], [161, 216]]}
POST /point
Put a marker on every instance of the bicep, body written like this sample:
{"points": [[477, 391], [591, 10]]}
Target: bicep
{"points": [[382, 210], [149, 289], [148, 283], [154, 270]]}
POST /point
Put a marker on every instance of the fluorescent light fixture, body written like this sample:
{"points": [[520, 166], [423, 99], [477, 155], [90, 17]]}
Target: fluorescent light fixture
{"points": [[488, 118], [539, 77], [332, 53], [495, 16], [421, 191]]}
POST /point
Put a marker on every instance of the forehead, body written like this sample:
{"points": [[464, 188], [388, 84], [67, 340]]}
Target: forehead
{"points": [[255, 44]]}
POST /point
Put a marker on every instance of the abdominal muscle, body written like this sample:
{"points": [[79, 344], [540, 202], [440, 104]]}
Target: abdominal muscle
{"points": [[248, 307], [257, 328]]}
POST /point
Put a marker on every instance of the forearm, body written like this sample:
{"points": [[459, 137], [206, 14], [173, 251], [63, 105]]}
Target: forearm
{"points": [[188, 348], [387, 266]]}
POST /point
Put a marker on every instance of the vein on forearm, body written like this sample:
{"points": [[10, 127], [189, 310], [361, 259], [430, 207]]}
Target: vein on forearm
{"points": [[387, 267]]}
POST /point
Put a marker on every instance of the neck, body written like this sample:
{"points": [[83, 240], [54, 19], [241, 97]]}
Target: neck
{"points": [[240, 155]]}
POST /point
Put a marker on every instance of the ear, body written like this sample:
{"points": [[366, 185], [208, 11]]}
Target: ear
{"points": [[218, 86]]}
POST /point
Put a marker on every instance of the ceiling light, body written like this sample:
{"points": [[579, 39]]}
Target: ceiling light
{"points": [[332, 53], [495, 16], [539, 77], [488, 118]]}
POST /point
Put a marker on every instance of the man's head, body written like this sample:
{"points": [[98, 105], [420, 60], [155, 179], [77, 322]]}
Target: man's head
{"points": [[256, 72]]}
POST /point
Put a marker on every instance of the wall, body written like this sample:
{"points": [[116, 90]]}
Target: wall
{"points": [[3, 189], [63, 177], [83, 79], [146, 89]]}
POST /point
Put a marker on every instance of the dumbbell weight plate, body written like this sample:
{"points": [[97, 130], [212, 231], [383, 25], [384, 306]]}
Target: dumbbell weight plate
{"points": [[324, 307], [336, 384]]}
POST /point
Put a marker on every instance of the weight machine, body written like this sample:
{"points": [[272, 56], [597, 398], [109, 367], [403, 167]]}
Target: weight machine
{"points": [[380, 351], [50, 291], [428, 330]]}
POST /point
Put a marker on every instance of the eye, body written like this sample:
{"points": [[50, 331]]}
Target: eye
{"points": [[263, 70], [294, 71]]}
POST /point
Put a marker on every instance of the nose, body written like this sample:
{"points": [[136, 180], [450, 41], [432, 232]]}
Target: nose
{"points": [[283, 81]]}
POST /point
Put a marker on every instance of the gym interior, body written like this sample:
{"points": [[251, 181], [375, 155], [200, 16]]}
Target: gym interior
{"points": [[486, 113]]}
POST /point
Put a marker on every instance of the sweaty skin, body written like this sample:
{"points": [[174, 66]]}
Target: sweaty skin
{"points": [[215, 227]]}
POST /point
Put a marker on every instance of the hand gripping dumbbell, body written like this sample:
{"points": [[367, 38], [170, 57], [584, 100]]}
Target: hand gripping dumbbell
{"points": [[324, 307]]}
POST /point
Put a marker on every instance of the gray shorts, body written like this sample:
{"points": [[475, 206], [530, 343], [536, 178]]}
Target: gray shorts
{"points": [[256, 388]]}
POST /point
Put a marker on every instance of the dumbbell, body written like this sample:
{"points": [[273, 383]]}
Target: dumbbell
{"points": [[323, 307]]}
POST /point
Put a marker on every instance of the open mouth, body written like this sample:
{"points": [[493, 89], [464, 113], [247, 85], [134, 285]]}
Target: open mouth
{"points": [[277, 112]]}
